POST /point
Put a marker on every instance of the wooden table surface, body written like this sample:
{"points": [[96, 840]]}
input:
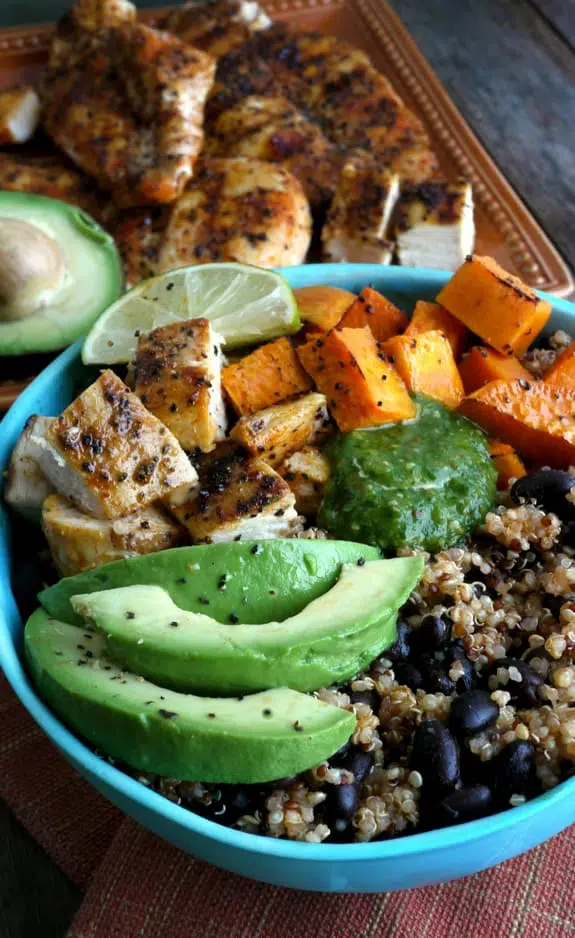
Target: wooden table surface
{"points": [[510, 68]]}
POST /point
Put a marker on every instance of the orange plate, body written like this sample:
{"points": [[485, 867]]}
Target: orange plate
{"points": [[505, 228]]}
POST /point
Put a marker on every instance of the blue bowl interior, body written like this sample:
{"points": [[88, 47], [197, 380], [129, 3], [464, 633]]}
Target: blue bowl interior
{"points": [[424, 858]]}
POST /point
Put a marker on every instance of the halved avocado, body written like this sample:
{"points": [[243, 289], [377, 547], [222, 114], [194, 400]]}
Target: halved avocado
{"points": [[58, 271]]}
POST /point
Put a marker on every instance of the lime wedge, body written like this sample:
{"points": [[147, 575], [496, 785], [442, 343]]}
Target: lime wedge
{"points": [[245, 304]]}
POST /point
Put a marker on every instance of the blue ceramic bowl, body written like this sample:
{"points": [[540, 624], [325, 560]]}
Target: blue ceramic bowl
{"points": [[411, 861]]}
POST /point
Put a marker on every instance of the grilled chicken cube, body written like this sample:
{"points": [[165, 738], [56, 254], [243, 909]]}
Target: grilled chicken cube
{"points": [[306, 472], [177, 374], [239, 498], [26, 485], [273, 129], [217, 27], [54, 176], [274, 433], [109, 454], [19, 114], [239, 73], [356, 226], [79, 542], [435, 226], [238, 210], [126, 101]]}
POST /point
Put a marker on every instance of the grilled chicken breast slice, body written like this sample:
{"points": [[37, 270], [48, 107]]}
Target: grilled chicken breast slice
{"points": [[19, 114], [109, 454], [274, 433], [177, 373], [238, 210], [79, 542], [125, 102], [272, 129], [240, 73], [55, 177], [357, 223], [435, 226], [239, 498], [218, 27], [26, 485], [307, 473]]}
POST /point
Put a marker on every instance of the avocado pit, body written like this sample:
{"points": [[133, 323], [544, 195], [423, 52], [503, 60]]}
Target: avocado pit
{"points": [[32, 269]]}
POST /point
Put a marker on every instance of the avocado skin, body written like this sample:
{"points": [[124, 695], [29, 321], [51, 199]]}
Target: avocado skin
{"points": [[282, 576], [332, 639], [160, 731]]}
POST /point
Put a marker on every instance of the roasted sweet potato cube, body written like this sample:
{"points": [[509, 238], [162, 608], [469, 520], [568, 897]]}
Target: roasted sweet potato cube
{"points": [[496, 305], [537, 419], [362, 387], [562, 372], [426, 364], [323, 307], [427, 317], [374, 310], [507, 463], [270, 374], [482, 365], [306, 472], [274, 433]]}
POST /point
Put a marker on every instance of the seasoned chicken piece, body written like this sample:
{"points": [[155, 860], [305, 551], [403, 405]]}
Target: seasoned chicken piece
{"points": [[274, 433], [307, 473], [356, 226], [238, 210], [217, 27], [109, 454], [126, 104], [92, 16], [19, 114], [434, 225], [273, 129], [177, 373], [240, 73], [26, 485], [138, 237], [239, 498], [55, 177], [78, 542]]}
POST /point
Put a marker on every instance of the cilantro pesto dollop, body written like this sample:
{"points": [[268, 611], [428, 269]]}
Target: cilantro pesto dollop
{"points": [[426, 483]]}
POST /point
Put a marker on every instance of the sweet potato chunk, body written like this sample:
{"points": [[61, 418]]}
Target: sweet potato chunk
{"points": [[562, 372], [427, 317], [267, 376], [363, 389], [426, 364], [496, 305], [374, 310], [507, 463], [322, 307], [274, 433], [482, 365], [535, 419]]}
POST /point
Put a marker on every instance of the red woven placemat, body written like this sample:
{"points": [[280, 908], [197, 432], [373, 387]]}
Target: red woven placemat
{"points": [[136, 886]]}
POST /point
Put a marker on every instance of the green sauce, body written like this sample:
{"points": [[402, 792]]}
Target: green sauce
{"points": [[426, 483]]}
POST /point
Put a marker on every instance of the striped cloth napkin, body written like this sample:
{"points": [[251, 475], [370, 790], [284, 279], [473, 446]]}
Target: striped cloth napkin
{"points": [[136, 886]]}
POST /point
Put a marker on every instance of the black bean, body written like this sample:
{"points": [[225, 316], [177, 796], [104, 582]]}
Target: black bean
{"points": [[473, 712], [431, 635], [465, 804], [409, 674], [554, 603], [435, 755], [437, 681], [455, 650], [547, 488], [361, 764], [342, 800], [523, 692], [400, 649], [341, 756], [513, 772], [468, 679], [368, 697]]}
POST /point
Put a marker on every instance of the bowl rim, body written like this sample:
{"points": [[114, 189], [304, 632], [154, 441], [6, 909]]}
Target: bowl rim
{"points": [[128, 786]]}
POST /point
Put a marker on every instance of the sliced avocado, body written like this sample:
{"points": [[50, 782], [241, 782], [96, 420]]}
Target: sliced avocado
{"points": [[329, 641], [255, 739], [58, 271], [255, 582]]}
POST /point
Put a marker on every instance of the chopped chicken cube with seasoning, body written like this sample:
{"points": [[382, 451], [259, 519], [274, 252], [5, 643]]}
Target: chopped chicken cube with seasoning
{"points": [[217, 27], [274, 433], [177, 374], [79, 542], [19, 114], [26, 485], [355, 230], [435, 226], [109, 454], [306, 472], [239, 498]]}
